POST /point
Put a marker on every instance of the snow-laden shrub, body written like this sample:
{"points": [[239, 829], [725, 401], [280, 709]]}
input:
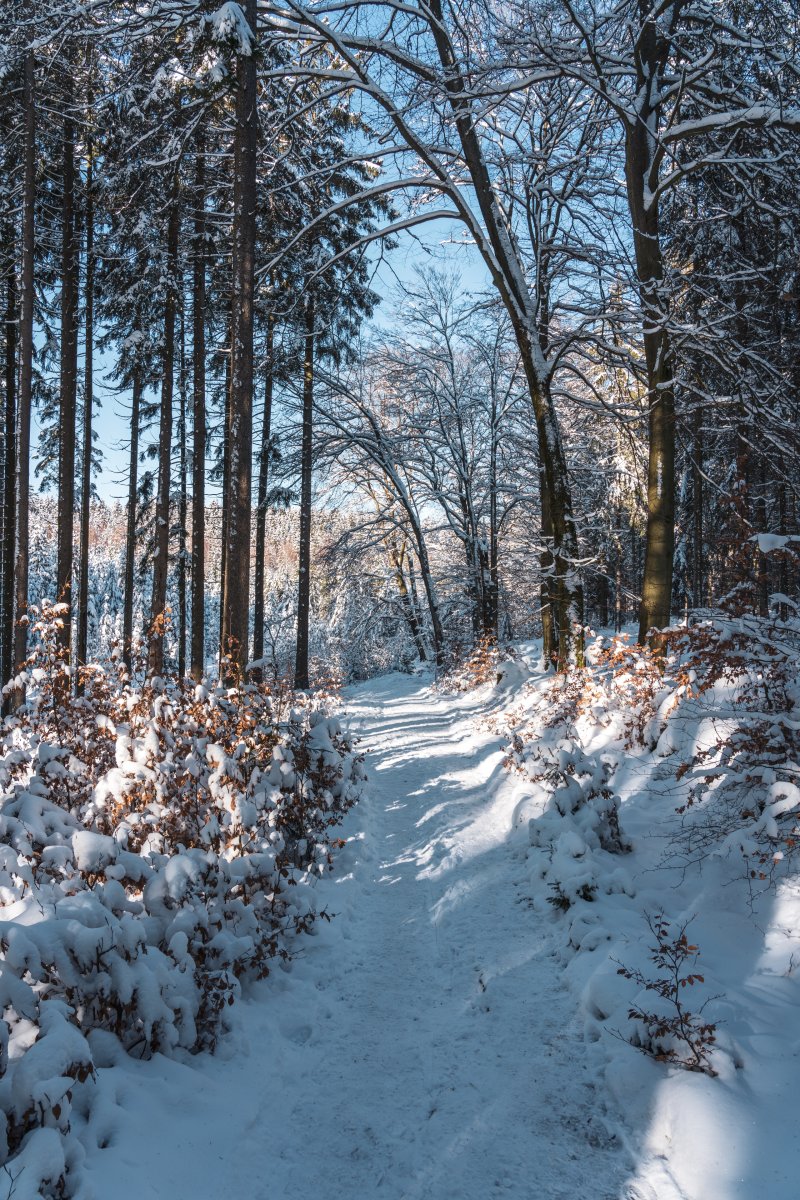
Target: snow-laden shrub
{"points": [[157, 847], [740, 697], [580, 824], [664, 1026], [621, 690], [481, 664], [552, 736]]}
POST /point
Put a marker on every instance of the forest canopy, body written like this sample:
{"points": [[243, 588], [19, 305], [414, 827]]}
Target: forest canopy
{"points": [[196, 203]]}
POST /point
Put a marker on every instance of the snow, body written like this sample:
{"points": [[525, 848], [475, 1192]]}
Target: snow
{"points": [[229, 23], [768, 542], [423, 1045], [450, 1033]]}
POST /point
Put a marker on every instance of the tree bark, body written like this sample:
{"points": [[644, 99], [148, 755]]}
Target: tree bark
{"points": [[783, 564], [23, 436], [88, 403], [619, 607], [182, 505], [549, 629], [158, 604], [301, 680], [642, 162], [236, 582], [698, 558], [226, 487], [198, 652], [9, 463], [397, 556], [130, 536], [261, 510], [493, 587], [68, 391]]}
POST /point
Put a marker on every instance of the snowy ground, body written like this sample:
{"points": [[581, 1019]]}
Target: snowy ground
{"points": [[430, 1042], [422, 1047]]}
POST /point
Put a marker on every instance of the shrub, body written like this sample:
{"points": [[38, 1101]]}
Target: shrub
{"points": [[671, 1033], [742, 792], [478, 666], [158, 843]]}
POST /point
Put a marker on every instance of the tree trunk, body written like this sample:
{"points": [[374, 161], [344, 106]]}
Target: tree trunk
{"points": [[603, 596], [619, 607], [762, 525], [226, 487], [407, 604], [261, 510], [301, 680], [23, 436], [198, 651], [493, 586], [698, 557], [549, 632], [412, 585], [130, 536], [566, 590], [508, 275], [236, 583], [88, 402], [783, 564], [182, 506], [158, 604], [68, 391], [437, 629], [9, 465], [642, 161]]}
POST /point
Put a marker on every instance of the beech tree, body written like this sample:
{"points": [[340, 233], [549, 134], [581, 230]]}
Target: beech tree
{"points": [[428, 71], [676, 78]]}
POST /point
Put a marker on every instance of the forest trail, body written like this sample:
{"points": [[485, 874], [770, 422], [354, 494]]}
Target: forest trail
{"points": [[422, 1047]]}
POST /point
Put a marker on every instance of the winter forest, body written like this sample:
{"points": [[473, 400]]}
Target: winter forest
{"points": [[399, 599]]}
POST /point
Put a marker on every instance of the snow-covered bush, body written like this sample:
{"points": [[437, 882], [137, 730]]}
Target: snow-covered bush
{"points": [[579, 825], [740, 697], [576, 838], [157, 844], [480, 665], [620, 690]]}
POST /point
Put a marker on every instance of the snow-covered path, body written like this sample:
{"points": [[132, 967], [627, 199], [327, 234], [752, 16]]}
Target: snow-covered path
{"points": [[421, 1047]]}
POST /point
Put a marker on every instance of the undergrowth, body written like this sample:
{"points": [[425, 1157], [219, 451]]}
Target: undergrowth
{"points": [[158, 841], [671, 1033]]}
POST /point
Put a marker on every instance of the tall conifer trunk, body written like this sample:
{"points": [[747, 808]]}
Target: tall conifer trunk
{"points": [[261, 510], [130, 534], [698, 558], [183, 504], [23, 436], [9, 462], [88, 403], [68, 391], [158, 603], [197, 652], [301, 679], [236, 581]]}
